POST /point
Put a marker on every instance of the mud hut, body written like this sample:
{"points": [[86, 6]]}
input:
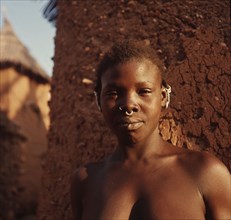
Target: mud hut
{"points": [[24, 94], [10, 163], [192, 38]]}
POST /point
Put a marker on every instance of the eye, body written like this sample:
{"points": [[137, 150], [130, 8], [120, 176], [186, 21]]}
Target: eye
{"points": [[111, 93], [144, 92]]}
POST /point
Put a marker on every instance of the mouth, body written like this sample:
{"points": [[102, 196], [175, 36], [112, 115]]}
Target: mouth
{"points": [[130, 125]]}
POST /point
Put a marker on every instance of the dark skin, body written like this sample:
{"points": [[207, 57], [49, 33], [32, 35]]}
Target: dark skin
{"points": [[146, 177]]}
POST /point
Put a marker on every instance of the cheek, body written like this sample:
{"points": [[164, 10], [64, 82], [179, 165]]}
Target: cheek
{"points": [[108, 110], [154, 102], [153, 109], [107, 105]]}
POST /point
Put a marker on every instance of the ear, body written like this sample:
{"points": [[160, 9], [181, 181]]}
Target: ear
{"points": [[97, 101]]}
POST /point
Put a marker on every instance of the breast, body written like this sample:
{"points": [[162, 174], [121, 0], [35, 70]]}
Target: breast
{"points": [[172, 194], [110, 200]]}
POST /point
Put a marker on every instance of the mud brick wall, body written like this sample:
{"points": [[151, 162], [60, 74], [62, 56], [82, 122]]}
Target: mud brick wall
{"points": [[11, 145], [192, 38]]}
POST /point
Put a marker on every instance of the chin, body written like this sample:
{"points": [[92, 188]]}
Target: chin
{"points": [[129, 138]]}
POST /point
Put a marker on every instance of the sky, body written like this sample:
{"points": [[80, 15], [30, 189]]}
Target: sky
{"points": [[34, 31]]}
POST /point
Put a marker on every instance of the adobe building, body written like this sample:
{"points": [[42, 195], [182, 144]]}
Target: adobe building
{"points": [[24, 95], [192, 38]]}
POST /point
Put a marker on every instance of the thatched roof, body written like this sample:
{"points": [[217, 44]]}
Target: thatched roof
{"points": [[14, 54]]}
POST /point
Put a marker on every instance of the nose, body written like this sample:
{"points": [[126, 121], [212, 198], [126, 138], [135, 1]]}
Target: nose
{"points": [[129, 103]]}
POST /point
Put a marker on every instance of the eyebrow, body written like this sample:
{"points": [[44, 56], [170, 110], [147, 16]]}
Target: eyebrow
{"points": [[116, 85], [112, 85], [144, 83]]}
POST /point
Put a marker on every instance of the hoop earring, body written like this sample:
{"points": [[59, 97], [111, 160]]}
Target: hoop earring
{"points": [[168, 90]]}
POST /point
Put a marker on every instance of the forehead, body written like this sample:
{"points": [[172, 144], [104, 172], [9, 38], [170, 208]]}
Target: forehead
{"points": [[132, 71]]}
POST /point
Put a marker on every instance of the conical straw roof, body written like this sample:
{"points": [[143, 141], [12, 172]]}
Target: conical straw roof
{"points": [[12, 51]]}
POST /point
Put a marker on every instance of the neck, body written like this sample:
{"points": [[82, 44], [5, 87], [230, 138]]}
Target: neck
{"points": [[139, 151]]}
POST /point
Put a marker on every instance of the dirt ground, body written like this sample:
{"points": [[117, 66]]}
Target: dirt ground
{"points": [[192, 38]]}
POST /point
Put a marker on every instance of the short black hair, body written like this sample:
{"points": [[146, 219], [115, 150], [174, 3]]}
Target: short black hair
{"points": [[122, 52]]}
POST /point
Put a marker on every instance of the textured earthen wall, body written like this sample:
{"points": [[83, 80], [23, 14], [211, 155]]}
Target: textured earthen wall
{"points": [[25, 103], [10, 168], [191, 37]]}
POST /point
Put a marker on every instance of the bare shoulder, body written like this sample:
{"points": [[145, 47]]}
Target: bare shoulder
{"points": [[78, 186], [211, 173], [199, 165], [202, 164]]}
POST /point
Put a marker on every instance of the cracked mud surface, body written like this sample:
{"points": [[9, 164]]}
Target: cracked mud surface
{"points": [[192, 37]]}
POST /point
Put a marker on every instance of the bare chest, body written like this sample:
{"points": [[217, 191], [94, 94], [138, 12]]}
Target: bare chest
{"points": [[161, 195]]}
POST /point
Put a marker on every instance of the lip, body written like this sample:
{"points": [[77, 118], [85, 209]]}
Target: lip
{"points": [[129, 124]]}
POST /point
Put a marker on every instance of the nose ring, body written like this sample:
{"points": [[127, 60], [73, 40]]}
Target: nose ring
{"points": [[128, 113]]}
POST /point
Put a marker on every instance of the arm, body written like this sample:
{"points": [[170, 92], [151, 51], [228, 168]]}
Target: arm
{"points": [[215, 185], [77, 192]]}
